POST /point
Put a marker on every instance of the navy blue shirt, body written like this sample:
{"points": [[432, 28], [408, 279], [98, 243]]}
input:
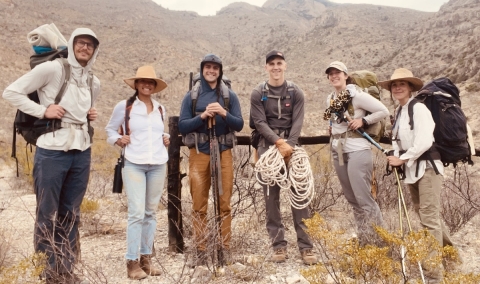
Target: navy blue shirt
{"points": [[192, 122]]}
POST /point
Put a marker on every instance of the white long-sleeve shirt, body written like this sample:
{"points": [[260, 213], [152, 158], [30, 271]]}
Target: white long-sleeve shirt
{"points": [[415, 142], [146, 132]]}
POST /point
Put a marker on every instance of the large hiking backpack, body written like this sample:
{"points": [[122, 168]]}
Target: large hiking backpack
{"points": [[442, 98], [30, 127], [368, 82], [255, 135]]}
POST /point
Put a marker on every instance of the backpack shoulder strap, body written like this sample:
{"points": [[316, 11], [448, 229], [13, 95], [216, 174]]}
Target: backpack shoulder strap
{"points": [[410, 112], [160, 109], [90, 85], [128, 109], [226, 95], [265, 90], [194, 96], [290, 89], [66, 78]]}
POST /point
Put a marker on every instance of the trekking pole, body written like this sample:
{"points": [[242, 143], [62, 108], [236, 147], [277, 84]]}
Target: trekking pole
{"points": [[216, 187], [362, 132], [401, 203]]}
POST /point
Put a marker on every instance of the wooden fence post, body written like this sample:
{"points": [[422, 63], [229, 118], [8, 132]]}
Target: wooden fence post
{"points": [[175, 223]]}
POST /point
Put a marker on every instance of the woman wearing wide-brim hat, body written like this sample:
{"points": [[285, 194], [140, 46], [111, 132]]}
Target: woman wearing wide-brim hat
{"points": [[351, 152], [144, 143], [412, 148]]}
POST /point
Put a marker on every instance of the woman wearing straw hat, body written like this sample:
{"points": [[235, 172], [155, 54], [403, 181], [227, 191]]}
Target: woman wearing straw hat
{"points": [[145, 165], [410, 145], [352, 153]]}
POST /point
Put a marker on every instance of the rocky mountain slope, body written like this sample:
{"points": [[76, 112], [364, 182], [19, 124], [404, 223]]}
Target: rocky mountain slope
{"points": [[312, 33]]}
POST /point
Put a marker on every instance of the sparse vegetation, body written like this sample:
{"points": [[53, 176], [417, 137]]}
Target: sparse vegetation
{"points": [[430, 44]]}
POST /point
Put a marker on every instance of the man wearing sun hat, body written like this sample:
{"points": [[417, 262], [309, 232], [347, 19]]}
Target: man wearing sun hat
{"points": [[277, 112], [211, 103], [62, 158]]}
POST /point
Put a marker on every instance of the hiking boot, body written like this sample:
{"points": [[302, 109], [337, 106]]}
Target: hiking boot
{"points": [[134, 271], [279, 255], [309, 258], [146, 265]]}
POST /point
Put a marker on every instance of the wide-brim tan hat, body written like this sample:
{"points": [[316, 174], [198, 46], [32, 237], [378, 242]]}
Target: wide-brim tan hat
{"points": [[404, 75], [146, 72]]}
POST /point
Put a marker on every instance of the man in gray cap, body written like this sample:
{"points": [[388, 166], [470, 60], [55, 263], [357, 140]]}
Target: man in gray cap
{"points": [[277, 111]]}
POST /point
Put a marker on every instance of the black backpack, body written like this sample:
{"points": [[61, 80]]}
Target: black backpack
{"points": [[30, 127], [442, 98]]}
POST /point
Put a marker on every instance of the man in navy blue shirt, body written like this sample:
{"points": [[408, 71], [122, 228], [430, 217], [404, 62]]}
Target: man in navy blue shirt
{"points": [[210, 98]]}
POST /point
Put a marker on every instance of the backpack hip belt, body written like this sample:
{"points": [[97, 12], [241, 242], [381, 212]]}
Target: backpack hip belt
{"points": [[194, 138], [347, 134], [71, 125]]}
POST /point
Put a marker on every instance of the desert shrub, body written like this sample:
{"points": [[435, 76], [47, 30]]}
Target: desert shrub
{"points": [[4, 248], [461, 197], [26, 270], [327, 187], [89, 206], [398, 261]]}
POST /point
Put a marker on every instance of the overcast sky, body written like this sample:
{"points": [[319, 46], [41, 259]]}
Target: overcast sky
{"points": [[210, 7]]}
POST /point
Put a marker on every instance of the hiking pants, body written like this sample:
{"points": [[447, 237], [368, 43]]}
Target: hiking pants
{"points": [[355, 177], [144, 187], [426, 196], [200, 182], [275, 227], [60, 182]]}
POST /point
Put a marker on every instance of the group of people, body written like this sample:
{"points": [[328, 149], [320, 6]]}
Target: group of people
{"points": [[137, 124]]}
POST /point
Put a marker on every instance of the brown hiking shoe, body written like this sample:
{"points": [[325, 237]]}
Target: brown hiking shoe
{"points": [[147, 266], [279, 255], [308, 257], [134, 271]]}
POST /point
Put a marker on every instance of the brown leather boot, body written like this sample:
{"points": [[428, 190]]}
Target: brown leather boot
{"points": [[146, 265], [134, 271]]}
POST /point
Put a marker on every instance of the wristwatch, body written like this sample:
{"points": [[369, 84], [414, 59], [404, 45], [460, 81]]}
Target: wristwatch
{"points": [[365, 123]]}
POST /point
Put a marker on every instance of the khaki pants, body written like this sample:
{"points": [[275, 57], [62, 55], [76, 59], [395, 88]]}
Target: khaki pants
{"points": [[426, 194], [200, 182]]}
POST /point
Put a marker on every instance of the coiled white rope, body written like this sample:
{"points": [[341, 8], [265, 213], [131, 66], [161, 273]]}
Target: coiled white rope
{"points": [[271, 169]]}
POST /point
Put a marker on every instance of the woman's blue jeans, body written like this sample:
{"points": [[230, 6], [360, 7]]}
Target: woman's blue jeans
{"points": [[144, 186]]}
